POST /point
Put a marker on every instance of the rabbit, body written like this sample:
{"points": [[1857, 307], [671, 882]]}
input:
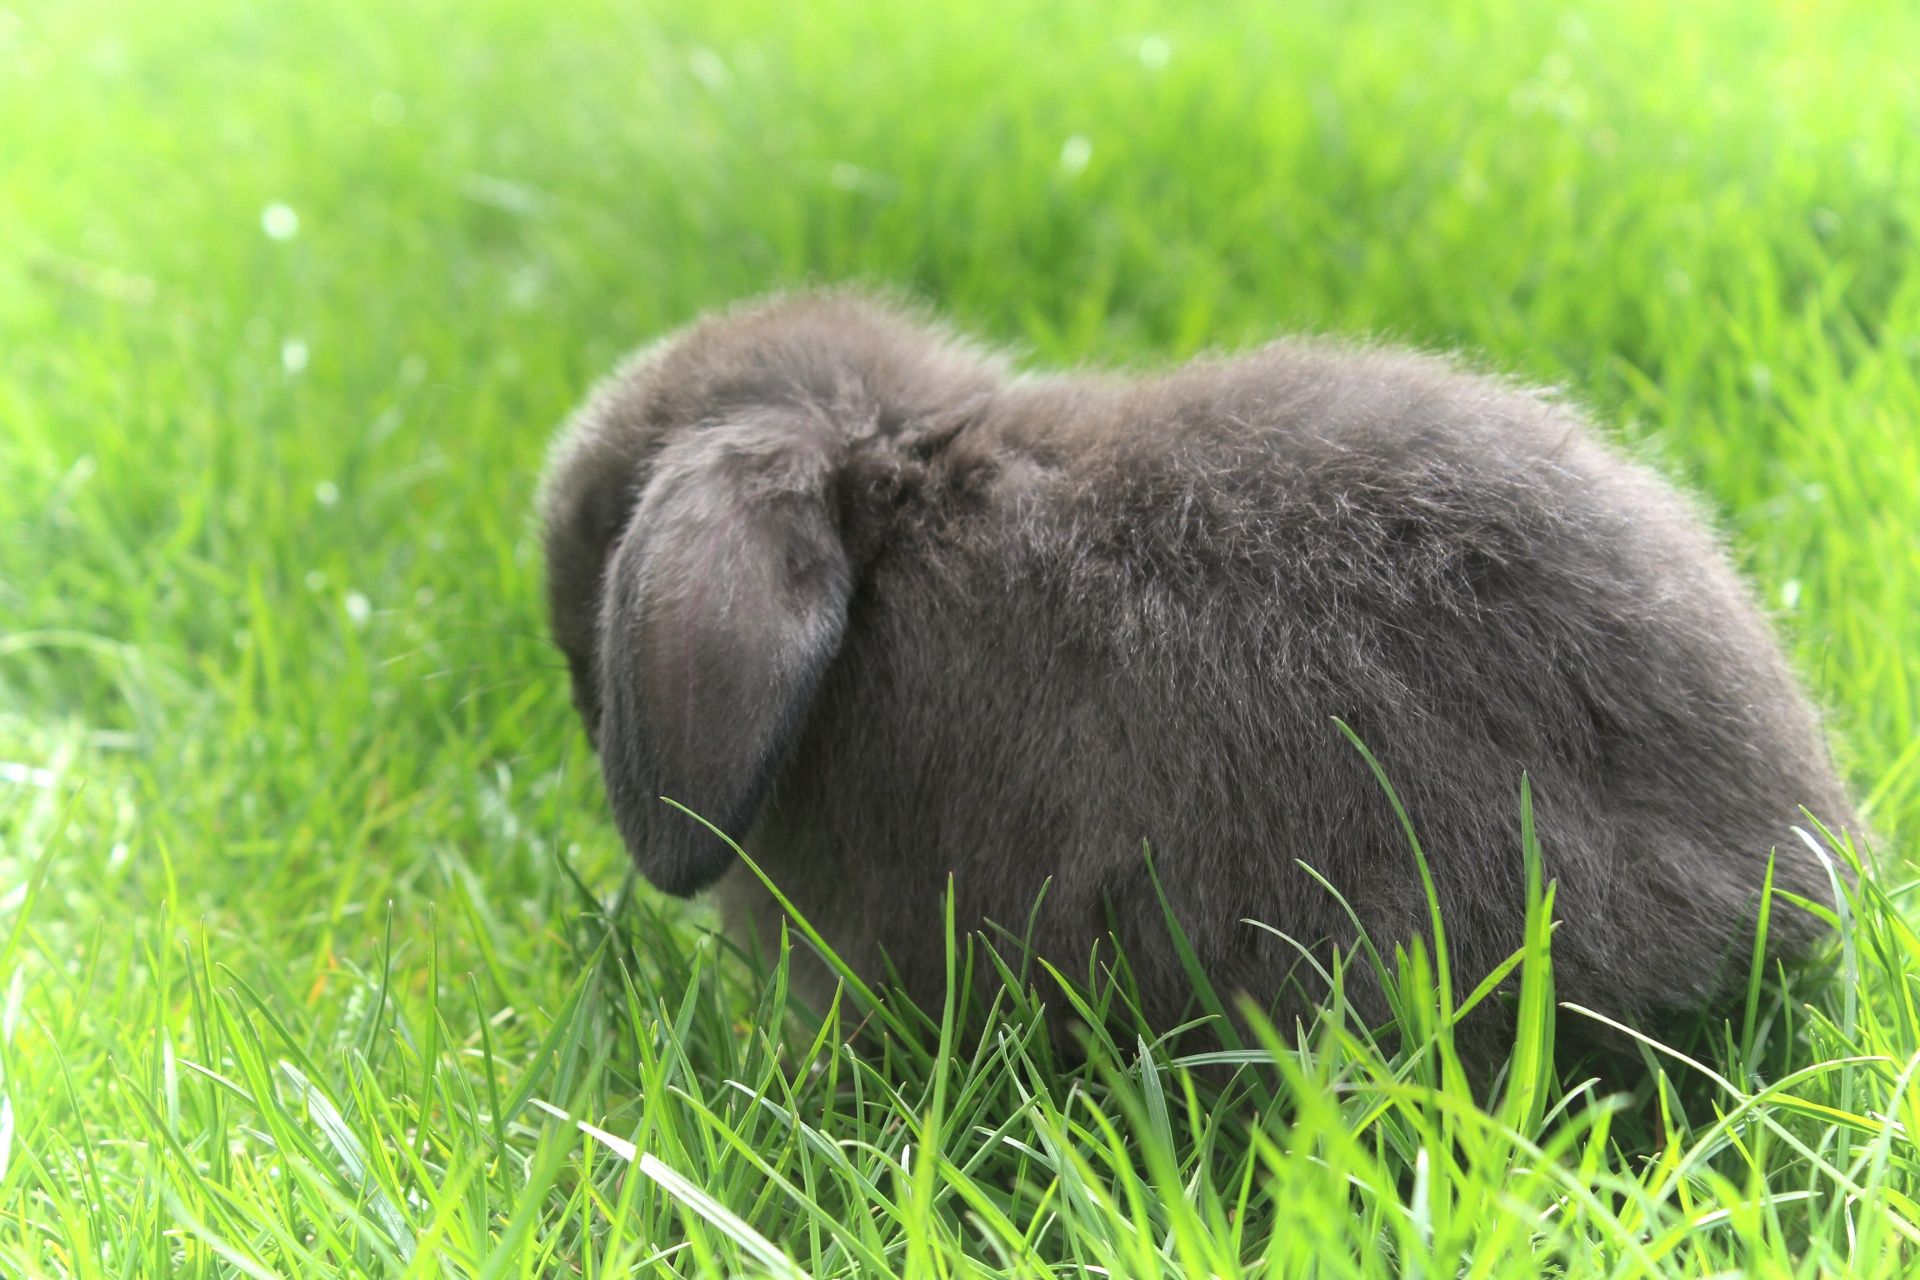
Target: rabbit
{"points": [[891, 616]]}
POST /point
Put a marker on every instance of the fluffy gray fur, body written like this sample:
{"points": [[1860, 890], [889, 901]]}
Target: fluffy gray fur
{"points": [[830, 576]]}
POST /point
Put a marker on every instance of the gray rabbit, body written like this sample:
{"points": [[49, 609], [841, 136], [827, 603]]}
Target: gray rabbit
{"points": [[833, 578]]}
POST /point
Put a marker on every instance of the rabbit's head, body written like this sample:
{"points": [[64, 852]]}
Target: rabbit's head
{"points": [[704, 516]]}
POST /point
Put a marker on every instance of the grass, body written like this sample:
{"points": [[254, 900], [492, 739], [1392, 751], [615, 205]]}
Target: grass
{"points": [[317, 955]]}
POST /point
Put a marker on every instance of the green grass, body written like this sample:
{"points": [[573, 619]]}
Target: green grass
{"points": [[311, 916]]}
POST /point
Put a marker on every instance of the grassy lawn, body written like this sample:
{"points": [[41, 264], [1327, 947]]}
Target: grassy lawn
{"points": [[317, 948]]}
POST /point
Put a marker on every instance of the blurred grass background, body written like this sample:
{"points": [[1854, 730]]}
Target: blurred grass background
{"points": [[292, 296]]}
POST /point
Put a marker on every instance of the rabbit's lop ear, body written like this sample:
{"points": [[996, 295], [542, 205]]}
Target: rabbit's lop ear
{"points": [[725, 600]]}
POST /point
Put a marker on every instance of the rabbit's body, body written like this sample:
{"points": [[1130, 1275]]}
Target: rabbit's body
{"points": [[892, 617]]}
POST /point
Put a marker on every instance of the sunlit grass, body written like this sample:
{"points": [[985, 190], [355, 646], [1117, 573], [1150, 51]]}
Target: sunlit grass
{"points": [[316, 945]]}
